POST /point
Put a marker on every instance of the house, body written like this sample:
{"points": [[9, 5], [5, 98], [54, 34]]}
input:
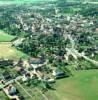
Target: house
{"points": [[7, 76], [12, 90], [20, 70], [48, 79], [36, 63], [26, 77], [5, 62], [58, 73], [51, 80], [17, 42]]}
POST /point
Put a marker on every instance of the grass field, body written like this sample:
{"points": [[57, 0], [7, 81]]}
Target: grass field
{"points": [[6, 50], [82, 86], [3, 2], [5, 37], [9, 52]]}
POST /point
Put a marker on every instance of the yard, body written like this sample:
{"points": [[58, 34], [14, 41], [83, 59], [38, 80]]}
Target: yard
{"points": [[29, 93], [3, 96]]}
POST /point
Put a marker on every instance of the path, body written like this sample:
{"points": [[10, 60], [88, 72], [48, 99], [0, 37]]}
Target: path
{"points": [[24, 90], [42, 94]]}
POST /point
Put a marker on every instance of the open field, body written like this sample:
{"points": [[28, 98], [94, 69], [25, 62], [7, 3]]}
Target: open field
{"points": [[5, 37], [82, 86], [7, 2], [9, 52]]}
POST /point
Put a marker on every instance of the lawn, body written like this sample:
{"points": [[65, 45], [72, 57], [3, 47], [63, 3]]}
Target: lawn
{"points": [[5, 37], [9, 52], [82, 86], [3, 96], [32, 91]]}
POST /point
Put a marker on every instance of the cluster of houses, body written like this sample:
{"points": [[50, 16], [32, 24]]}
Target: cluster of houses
{"points": [[55, 23], [35, 66], [27, 69], [76, 25]]}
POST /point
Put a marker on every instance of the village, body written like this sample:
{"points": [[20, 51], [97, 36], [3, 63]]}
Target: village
{"points": [[27, 70], [48, 51]]}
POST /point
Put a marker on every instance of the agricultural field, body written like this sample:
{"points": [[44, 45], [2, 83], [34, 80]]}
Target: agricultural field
{"points": [[5, 37], [9, 52], [6, 49]]}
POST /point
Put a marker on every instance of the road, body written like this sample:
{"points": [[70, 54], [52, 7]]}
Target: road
{"points": [[76, 54], [72, 51], [24, 90]]}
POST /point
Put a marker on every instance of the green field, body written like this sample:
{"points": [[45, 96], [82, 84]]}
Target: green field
{"points": [[6, 50], [3, 96], [82, 86], [5, 37], [9, 52], [3, 2]]}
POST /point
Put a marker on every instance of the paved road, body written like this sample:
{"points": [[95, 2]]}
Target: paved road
{"points": [[75, 52]]}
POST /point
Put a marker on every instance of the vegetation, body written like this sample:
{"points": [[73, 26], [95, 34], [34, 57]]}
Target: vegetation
{"points": [[5, 37], [89, 10], [76, 87], [8, 52], [3, 96], [33, 92]]}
